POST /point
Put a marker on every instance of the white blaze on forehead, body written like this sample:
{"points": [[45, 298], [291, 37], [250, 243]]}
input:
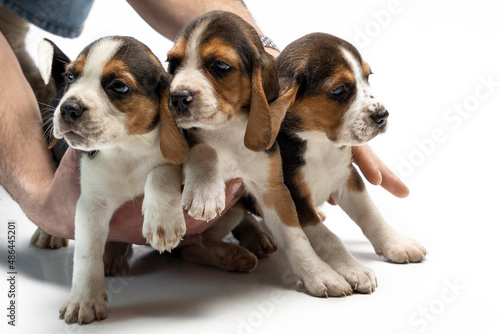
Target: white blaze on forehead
{"points": [[192, 55], [190, 76], [87, 86], [357, 70], [190, 71], [357, 125], [99, 55]]}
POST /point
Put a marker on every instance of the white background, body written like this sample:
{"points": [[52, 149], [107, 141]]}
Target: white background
{"points": [[431, 59]]}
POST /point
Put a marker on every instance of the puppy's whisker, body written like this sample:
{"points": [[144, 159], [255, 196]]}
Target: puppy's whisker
{"points": [[46, 105]]}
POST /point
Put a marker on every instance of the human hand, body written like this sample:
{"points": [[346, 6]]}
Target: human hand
{"points": [[126, 224], [56, 214], [377, 173]]}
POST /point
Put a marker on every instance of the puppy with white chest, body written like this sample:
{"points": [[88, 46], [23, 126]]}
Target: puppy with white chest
{"points": [[115, 111], [224, 92], [334, 108]]}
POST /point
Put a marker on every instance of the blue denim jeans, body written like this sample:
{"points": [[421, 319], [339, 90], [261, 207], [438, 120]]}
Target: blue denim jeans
{"points": [[61, 17]]}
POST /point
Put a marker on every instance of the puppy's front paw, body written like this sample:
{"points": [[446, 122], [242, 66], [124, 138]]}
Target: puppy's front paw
{"points": [[401, 249], [325, 282], [163, 229], [204, 201], [362, 279], [44, 240], [84, 310]]}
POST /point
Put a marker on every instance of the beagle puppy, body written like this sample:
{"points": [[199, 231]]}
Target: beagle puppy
{"points": [[114, 110], [333, 109], [225, 94]]}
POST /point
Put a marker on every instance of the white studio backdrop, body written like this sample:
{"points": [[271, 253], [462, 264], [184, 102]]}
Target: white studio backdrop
{"points": [[436, 67]]}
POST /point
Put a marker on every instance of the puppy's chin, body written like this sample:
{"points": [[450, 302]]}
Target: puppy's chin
{"points": [[359, 135], [84, 141]]}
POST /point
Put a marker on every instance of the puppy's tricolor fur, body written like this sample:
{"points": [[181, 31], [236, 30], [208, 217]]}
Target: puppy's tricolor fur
{"points": [[334, 108], [114, 108], [223, 84]]}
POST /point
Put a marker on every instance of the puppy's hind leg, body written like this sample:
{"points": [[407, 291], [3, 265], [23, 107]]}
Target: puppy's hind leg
{"points": [[251, 236], [216, 253], [116, 256]]}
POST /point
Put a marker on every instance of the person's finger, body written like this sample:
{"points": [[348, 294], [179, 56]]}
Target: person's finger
{"points": [[368, 163], [392, 183], [377, 173]]}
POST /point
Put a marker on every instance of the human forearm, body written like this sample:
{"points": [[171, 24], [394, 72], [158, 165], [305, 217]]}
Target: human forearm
{"points": [[169, 16], [25, 162]]}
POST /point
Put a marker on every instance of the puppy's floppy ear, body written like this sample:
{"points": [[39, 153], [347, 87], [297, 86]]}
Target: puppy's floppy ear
{"points": [[261, 128], [173, 145], [279, 108], [52, 63]]}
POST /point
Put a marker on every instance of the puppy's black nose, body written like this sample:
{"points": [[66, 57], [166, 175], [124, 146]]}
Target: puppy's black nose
{"points": [[181, 99], [71, 111], [380, 118]]}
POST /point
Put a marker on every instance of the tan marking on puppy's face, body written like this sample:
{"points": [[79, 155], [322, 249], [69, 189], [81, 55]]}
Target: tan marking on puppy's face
{"points": [[334, 96], [116, 69], [76, 67], [222, 73], [212, 73], [321, 113], [232, 88], [366, 69], [85, 118], [118, 88], [140, 110], [176, 55]]}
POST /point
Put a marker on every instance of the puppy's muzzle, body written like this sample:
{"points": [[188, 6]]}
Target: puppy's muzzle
{"points": [[181, 100], [380, 117], [72, 110]]}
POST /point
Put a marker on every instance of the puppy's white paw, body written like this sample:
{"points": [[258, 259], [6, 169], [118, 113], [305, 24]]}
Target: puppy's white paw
{"points": [[204, 201], [163, 229], [325, 282], [84, 310], [361, 278], [400, 249]]}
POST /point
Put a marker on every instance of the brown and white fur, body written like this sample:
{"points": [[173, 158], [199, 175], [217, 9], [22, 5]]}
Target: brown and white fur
{"points": [[223, 84], [334, 108], [114, 109]]}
